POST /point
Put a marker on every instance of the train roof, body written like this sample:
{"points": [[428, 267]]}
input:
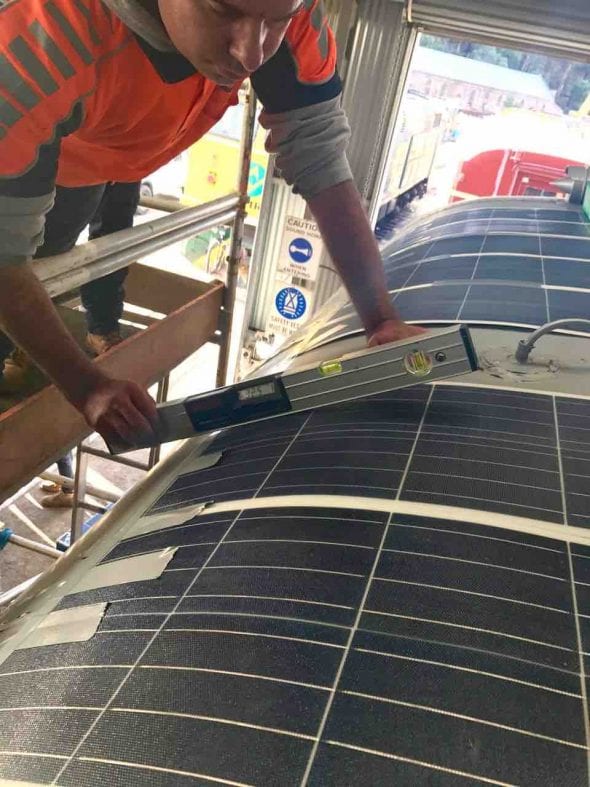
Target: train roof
{"points": [[394, 587]]}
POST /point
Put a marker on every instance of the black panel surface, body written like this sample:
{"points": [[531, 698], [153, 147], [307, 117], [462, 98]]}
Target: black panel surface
{"points": [[512, 246], [509, 268], [314, 645], [574, 431], [490, 450], [465, 632]]}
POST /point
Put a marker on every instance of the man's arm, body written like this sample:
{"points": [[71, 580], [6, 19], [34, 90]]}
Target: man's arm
{"points": [[308, 130], [113, 407], [350, 241]]}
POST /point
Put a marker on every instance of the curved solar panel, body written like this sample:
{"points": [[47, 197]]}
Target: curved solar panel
{"points": [[393, 591], [503, 265]]}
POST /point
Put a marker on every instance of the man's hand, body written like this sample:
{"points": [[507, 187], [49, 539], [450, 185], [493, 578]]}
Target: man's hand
{"points": [[121, 411], [393, 331]]}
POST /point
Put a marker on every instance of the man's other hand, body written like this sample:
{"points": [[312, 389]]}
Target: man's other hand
{"points": [[393, 331], [120, 411]]}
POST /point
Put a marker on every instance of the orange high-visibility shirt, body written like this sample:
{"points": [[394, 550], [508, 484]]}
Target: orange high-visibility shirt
{"points": [[81, 92]]}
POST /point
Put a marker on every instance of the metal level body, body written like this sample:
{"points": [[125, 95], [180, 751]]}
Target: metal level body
{"points": [[369, 372]]}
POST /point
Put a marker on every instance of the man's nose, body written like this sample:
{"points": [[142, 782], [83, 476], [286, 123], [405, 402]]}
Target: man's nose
{"points": [[247, 45]]}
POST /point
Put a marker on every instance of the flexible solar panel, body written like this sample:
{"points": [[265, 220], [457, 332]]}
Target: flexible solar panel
{"points": [[311, 633], [390, 591]]}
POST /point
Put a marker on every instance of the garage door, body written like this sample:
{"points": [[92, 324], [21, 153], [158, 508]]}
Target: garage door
{"points": [[562, 27]]}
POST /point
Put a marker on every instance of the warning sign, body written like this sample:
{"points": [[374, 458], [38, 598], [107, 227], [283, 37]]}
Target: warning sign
{"points": [[301, 249]]}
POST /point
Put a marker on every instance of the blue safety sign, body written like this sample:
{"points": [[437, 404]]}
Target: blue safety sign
{"points": [[291, 303], [300, 250], [256, 180]]}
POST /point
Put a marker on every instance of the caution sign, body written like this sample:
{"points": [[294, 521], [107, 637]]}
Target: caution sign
{"points": [[301, 249]]}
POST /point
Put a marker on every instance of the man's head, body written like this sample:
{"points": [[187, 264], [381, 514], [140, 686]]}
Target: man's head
{"points": [[226, 40]]}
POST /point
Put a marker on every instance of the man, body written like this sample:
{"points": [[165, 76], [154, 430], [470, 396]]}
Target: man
{"points": [[99, 90]]}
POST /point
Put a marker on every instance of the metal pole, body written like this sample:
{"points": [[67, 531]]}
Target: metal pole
{"points": [[79, 494], [121, 460], [103, 264], [34, 546], [68, 483], [161, 397], [50, 267], [233, 262], [15, 592], [165, 204]]}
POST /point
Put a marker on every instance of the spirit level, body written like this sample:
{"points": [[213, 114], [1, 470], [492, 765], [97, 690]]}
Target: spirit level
{"points": [[437, 355]]}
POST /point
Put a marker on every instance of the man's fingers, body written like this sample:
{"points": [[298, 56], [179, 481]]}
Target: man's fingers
{"points": [[113, 427], [122, 412], [145, 404], [138, 423]]}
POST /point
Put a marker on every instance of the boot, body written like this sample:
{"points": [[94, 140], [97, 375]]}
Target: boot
{"points": [[20, 373], [99, 343], [50, 487], [60, 499]]}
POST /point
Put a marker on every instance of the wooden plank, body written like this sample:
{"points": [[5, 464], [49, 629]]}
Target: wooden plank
{"points": [[139, 319], [40, 429], [159, 290]]}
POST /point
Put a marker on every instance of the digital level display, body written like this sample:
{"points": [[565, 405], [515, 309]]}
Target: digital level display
{"points": [[241, 403], [257, 391]]}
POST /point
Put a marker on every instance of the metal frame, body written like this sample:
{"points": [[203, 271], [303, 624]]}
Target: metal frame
{"points": [[374, 38], [97, 258], [80, 486]]}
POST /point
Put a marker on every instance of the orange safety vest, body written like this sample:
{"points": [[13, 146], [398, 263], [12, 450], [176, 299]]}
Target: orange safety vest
{"points": [[61, 57]]}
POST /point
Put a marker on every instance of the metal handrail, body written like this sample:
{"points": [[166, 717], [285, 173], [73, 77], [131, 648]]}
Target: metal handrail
{"points": [[65, 272], [10, 595]]}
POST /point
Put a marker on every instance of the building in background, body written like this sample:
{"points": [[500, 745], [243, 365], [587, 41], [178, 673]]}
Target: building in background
{"points": [[478, 87]]}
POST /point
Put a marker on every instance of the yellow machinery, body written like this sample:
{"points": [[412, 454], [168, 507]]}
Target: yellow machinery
{"points": [[212, 170], [213, 163]]}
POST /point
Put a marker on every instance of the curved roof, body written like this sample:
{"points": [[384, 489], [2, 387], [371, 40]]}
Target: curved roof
{"points": [[394, 587]]}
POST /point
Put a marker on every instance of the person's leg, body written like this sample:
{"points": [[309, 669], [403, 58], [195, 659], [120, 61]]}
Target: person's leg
{"points": [[72, 211], [65, 465], [64, 468], [103, 298]]}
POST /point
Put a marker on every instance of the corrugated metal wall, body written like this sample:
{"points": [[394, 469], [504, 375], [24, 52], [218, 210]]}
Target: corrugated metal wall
{"points": [[375, 45], [375, 75], [278, 202], [559, 27]]}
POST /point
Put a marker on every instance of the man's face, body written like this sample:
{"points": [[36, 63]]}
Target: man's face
{"points": [[226, 40]]}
